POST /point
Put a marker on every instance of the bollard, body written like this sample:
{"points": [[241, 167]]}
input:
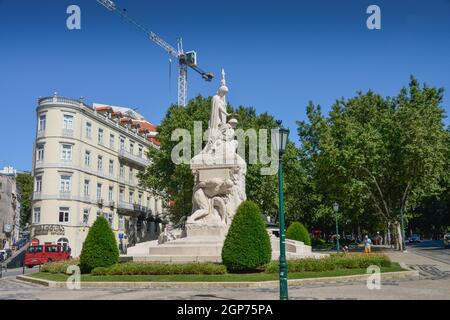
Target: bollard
{"points": [[23, 267], [1, 270]]}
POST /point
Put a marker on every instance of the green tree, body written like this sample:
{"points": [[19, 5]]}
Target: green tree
{"points": [[297, 231], [25, 186], [100, 247], [376, 156], [247, 245]]}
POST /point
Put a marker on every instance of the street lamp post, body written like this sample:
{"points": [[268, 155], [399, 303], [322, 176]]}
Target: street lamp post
{"points": [[336, 209], [282, 142]]}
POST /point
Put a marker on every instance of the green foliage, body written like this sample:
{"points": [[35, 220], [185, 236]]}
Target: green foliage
{"points": [[59, 266], [333, 262], [247, 245], [100, 247], [297, 231], [136, 268], [378, 156], [25, 186]]}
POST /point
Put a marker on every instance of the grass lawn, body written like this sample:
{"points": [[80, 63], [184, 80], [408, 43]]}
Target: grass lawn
{"points": [[249, 277]]}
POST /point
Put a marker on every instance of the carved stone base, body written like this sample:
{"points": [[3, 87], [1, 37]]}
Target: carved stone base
{"points": [[206, 230]]}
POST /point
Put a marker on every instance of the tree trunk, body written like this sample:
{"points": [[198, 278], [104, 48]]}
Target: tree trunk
{"points": [[399, 236]]}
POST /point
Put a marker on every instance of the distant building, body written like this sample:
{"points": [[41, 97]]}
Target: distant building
{"points": [[86, 162], [9, 208]]}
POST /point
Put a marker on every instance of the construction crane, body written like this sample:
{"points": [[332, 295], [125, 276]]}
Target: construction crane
{"points": [[185, 59]]}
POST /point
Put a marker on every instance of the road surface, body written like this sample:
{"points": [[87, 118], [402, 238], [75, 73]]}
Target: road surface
{"points": [[431, 249]]}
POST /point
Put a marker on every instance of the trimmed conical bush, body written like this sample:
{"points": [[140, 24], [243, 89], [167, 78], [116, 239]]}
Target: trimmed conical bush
{"points": [[297, 231], [100, 247], [247, 245]]}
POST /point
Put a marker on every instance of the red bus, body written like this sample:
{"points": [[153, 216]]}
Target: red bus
{"points": [[41, 254]]}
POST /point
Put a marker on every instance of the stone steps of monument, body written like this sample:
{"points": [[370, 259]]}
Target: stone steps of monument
{"points": [[177, 258], [198, 249]]}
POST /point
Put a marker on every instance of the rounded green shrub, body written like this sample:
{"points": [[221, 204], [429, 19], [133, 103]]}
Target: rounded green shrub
{"points": [[247, 245], [100, 247], [297, 231]]}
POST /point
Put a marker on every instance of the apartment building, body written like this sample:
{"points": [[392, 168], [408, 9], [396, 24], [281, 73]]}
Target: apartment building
{"points": [[9, 208], [86, 162]]}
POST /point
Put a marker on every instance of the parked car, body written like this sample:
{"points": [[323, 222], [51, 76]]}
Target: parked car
{"points": [[447, 240], [41, 254], [414, 238]]}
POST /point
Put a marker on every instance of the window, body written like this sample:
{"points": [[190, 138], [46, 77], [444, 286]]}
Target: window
{"points": [[42, 122], [111, 167], [87, 158], [66, 152], [131, 147], [148, 202], [85, 217], [109, 217], [38, 184], [156, 206], [100, 163], [64, 185], [99, 213], [131, 197], [140, 199], [140, 151], [68, 122], [111, 194], [122, 171], [122, 195], [86, 188], [63, 242], [112, 141], [131, 176], [88, 130], [40, 153], [122, 143], [100, 136], [37, 215], [99, 190], [63, 214], [121, 222]]}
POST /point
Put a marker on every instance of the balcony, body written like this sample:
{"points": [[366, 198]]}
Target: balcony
{"points": [[37, 196], [127, 156], [65, 195], [111, 203], [130, 209], [67, 133], [41, 134]]}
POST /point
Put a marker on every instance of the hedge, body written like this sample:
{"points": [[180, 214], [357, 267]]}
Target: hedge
{"points": [[332, 262], [297, 231], [247, 245], [141, 268], [100, 247], [59, 266]]}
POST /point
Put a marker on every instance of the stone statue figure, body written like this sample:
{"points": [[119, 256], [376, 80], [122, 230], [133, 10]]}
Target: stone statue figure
{"points": [[215, 198], [207, 202], [219, 113]]}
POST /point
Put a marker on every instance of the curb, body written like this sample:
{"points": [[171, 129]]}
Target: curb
{"points": [[205, 285]]}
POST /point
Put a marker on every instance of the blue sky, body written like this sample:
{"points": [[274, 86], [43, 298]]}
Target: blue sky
{"points": [[278, 55]]}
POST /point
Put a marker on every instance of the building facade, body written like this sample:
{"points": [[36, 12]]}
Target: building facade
{"points": [[86, 164], [9, 208]]}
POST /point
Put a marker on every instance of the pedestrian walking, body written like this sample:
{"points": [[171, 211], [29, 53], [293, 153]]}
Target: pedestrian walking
{"points": [[367, 244]]}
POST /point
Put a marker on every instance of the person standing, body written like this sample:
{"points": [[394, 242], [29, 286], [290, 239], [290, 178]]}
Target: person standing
{"points": [[367, 244]]}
